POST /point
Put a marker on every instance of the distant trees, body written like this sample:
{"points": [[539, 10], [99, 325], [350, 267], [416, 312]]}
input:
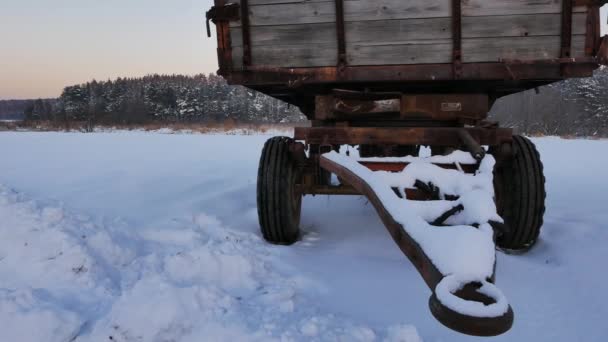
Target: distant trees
{"points": [[591, 95], [573, 107], [174, 98], [40, 109]]}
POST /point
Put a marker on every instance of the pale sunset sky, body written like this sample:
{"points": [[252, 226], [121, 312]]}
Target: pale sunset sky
{"points": [[48, 44]]}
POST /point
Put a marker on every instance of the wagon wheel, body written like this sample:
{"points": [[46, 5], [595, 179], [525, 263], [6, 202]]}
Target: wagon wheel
{"points": [[279, 202], [519, 184]]}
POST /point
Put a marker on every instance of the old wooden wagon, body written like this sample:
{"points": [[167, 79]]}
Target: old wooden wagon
{"points": [[389, 76]]}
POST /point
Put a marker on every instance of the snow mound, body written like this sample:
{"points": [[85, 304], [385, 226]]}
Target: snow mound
{"points": [[75, 278]]}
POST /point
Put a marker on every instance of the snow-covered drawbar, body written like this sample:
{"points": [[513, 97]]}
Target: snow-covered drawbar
{"points": [[449, 235]]}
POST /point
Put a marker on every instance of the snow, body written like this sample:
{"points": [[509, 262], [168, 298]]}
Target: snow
{"points": [[157, 209], [75, 279], [454, 282]]}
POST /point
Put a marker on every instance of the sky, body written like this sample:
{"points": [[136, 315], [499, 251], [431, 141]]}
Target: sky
{"points": [[46, 45]]}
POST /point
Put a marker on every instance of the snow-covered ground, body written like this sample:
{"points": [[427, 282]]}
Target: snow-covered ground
{"points": [[134, 236]]}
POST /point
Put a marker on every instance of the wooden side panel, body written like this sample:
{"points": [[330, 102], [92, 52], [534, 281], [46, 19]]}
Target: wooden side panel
{"points": [[296, 33], [291, 12], [475, 50]]}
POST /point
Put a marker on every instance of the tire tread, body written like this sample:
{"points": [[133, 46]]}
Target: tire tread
{"points": [[520, 191]]}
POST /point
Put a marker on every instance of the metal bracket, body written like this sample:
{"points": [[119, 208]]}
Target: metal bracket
{"points": [[227, 12]]}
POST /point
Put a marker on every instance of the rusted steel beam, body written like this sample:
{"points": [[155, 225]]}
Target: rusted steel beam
{"points": [[457, 38], [342, 190], [445, 106], [566, 28], [436, 107], [294, 78], [400, 166], [365, 95], [478, 326], [472, 145], [434, 136], [246, 30], [341, 36]]}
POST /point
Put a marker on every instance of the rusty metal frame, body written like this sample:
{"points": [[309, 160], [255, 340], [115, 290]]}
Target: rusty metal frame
{"points": [[293, 78], [430, 274], [432, 136], [400, 166]]}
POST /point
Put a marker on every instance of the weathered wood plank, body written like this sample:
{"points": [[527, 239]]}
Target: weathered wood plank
{"points": [[415, 52], [473, 49], [356, 10], [287, 35], [528, 48], [395, 31], [290, 55], [302, 12], [408, 30], [510, 7], [437, 51], [520, 25], [290, 12]]}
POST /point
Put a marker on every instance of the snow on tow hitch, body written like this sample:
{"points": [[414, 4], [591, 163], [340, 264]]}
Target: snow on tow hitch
{"points": [[442, 218]]}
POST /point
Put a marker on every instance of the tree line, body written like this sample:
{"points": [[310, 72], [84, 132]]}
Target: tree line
{"points": [[165, 98], [577, 107]]}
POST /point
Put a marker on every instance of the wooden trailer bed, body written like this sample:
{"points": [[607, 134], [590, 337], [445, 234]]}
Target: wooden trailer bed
{"points": [[294, 49]]}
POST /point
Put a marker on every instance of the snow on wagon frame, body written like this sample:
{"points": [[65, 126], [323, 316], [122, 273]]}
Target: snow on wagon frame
{"points": [[389, 77]]}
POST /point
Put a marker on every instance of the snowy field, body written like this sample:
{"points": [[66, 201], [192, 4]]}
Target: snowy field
{"points": [[134, 236]]}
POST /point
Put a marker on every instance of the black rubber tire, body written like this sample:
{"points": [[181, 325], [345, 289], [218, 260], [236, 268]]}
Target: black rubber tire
{"points": [[279, 205], [519, 184]]}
